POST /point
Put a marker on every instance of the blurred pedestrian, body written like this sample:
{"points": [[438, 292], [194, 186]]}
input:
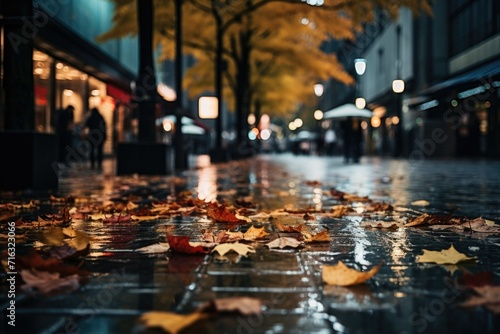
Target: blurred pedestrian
{"points": [[353, 137], [96, 137], [64, 130]]}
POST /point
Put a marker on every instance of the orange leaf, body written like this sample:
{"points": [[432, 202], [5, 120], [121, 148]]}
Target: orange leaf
{"points": [[220, 213], [342, 275]]}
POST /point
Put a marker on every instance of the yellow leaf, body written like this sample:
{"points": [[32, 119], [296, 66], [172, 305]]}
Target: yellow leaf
{"points": [[143, 218], [170, 322], [245, 218], [319, 237], [445, 256], [241, 249], [421, 202], [255, 233], [342, 275]]}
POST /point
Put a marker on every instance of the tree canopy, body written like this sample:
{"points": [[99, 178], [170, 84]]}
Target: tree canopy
{"points": [[272, 48]]}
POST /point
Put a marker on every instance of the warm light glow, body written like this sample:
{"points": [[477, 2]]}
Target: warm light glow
{"points": [[168, 126], [38, 70], [292, 126], [360, 65], [379, 111], [360, 103], [265, 134], [298, 122], [83, 76], [398, 86], [319, 89], [67, 92], [264, 121], [208, 107], [388, 121], [252, 134], [166, 92], [59, 66], [395, 120], [318, 115], [375, 121], [251, 119], [364, 125], [95, 92]]}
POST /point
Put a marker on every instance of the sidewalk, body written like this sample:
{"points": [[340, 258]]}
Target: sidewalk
{"points": [[403, 297]]}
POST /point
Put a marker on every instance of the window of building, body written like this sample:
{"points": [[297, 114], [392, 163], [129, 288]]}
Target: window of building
{"points": [[472, 21]]}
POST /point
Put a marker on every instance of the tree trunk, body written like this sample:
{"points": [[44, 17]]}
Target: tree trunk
{"points": [[145, 92], [19, 31]]}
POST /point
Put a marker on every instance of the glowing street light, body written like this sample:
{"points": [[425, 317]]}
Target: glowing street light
{"points": [[398, 86], [318, 115], [360, 103], [318, 90], [360, 65]]}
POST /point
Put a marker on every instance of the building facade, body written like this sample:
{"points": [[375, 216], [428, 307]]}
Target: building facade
{"points": [[450, 64], [71, 68]]}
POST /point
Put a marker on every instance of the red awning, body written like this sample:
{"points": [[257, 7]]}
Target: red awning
{"points": [[118, 94]]}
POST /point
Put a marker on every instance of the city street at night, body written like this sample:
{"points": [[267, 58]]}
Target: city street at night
{"points": [[293, 199]]}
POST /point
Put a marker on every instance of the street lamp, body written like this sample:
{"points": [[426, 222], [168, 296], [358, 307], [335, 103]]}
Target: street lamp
{"points": [[318, 90], [318, 115], [360, 67], [398, 87]]}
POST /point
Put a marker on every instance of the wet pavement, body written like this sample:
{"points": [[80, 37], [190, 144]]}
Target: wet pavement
{"points": [[403, 297]]}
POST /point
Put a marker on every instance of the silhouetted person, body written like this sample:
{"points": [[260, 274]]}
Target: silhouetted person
{"points": [[64, 129], [352, 139], [96, 137]]}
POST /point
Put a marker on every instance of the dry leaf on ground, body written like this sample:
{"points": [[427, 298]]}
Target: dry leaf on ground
{"points": [[322, 236], [421, 202], [342, 275], [241, 249], [284, 242], [181, 244], [254, 233], [160, 247], [219, 213], [289, 228], [445, 256], [170, 322], [488, 296]]}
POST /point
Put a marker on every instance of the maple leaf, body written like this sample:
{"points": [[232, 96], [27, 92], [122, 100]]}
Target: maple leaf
{"points": [[283, 242], [242, 305], [255, 233], [241, 249], [48, 283], [160, 247], [289, 229], [117, 219], [445, 256], [181, 244], [322, 236], [220, 213], [342, 275], [488, 296], [170, 322], [338, 211]]}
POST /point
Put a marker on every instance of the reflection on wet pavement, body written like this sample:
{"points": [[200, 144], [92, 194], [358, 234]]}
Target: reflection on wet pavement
{"points": [[404, 297]]}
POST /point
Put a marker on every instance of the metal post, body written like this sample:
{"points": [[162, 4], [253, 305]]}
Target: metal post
{"points": [[180, 156]]}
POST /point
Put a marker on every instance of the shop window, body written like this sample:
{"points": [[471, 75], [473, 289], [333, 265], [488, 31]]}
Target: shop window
{"points": [[41, 76]]}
